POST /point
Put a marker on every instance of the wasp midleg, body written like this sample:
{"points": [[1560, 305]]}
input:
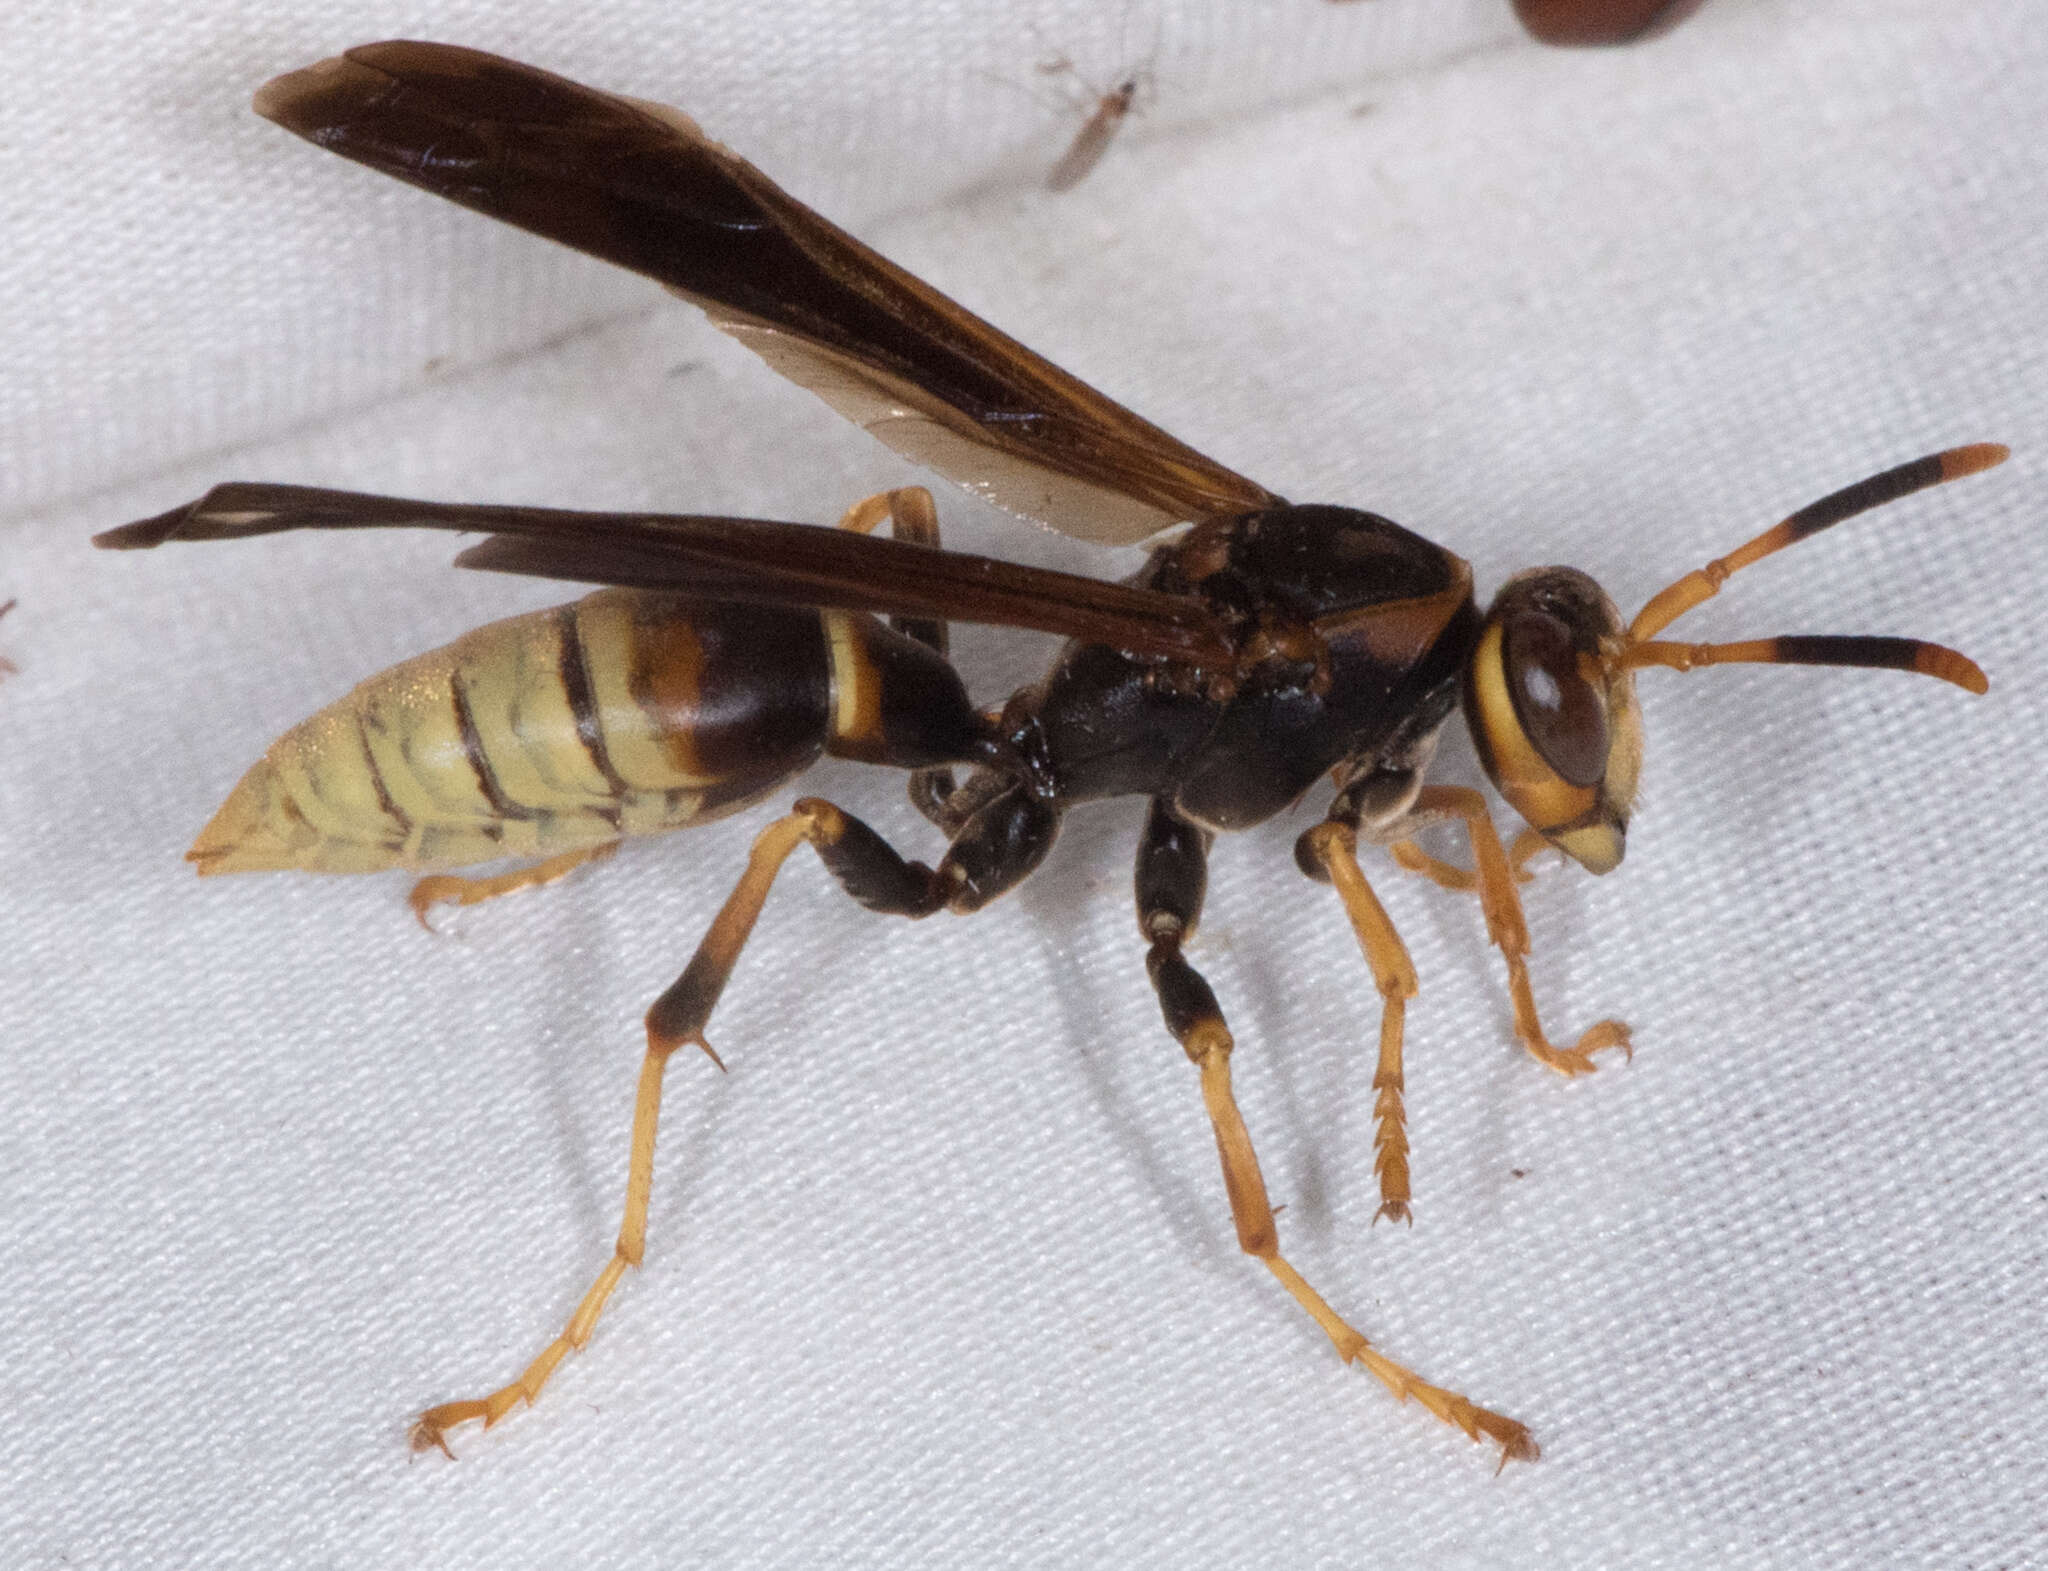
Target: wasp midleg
{"points": [[1172, 875]]}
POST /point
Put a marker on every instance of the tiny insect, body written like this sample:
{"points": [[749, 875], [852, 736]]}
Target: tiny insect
{"points": [[1266, 648], [7, 667], [1105, 118]]}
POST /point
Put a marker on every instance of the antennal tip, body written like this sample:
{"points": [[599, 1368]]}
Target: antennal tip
{"points": [[1934, 660], [1973, 459]]}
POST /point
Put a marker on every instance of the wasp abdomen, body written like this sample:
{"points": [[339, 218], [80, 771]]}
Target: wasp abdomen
{"points": [[627, 713]]}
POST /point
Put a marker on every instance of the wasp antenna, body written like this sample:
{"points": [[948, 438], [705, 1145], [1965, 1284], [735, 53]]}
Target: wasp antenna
{"points": [[1669, 604], [1884, 654]]}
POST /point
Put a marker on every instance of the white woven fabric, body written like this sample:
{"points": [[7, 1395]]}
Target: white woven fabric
{"points": [[941, 1273]]}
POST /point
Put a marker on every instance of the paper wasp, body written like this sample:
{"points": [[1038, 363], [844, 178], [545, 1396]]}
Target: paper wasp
{"points": [[1266, 647]]}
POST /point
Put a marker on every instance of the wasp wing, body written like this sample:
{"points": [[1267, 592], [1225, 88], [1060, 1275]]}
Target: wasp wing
{"points": [[641, 186], [742, 559]]}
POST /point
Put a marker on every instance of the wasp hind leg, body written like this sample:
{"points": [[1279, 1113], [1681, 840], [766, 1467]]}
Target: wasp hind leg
{"points": [[450, 889], [1171, 877], [912, 516], [998, 848]]}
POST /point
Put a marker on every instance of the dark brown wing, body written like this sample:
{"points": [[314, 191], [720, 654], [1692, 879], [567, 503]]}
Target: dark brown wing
{"points": [[722, 559], [641, 186]]}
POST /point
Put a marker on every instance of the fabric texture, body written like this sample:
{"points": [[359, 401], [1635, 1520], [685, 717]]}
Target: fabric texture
{"points": [[941, 1272]]}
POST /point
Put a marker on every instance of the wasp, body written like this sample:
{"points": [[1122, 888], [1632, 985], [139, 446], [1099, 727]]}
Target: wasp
{"points": [[1263, 648]]}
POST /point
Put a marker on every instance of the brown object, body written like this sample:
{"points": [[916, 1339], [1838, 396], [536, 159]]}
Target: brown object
{"points": [[1581, 22]]}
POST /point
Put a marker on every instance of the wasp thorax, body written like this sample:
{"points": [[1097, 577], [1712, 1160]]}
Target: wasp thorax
{"points": [[1555, 725]]}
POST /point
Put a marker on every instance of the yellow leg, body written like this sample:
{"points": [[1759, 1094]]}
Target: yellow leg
{"points": [[1197, 1024], [1416, 860], [913, 516], [1510, 934], [448, 889], [1527, 845], [1448, 875], [910, 511], [678, 1017], [1210, 1047], [1393, 973]]}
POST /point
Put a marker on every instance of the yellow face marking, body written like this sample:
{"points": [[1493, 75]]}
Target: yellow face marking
{"points": [[1595, 847], [1532, 787]]}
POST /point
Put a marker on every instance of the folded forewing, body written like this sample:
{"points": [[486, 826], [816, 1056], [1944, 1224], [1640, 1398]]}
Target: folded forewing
{"points": [[740, 559], [641, 186]]}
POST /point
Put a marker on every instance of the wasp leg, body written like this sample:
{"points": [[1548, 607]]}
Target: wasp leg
{"points": [[999, 847], [913, 516], [1510, 934], [1379, 804], [1335, 845], [448, 889], [1171, 877], [678, 1017], [1446, 875], [933, 791], [1449, 875]]}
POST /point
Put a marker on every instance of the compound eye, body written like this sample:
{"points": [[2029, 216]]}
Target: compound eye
{"points": [[1560, 712]]}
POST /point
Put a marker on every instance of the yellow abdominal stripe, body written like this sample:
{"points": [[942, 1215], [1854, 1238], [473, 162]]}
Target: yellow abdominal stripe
{"points": [[856, 688], [463, 755]]}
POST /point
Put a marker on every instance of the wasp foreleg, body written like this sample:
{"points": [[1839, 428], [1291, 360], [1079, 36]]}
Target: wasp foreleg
{"points": [[1449, 875], [1510, 934], [1171, 875]]}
